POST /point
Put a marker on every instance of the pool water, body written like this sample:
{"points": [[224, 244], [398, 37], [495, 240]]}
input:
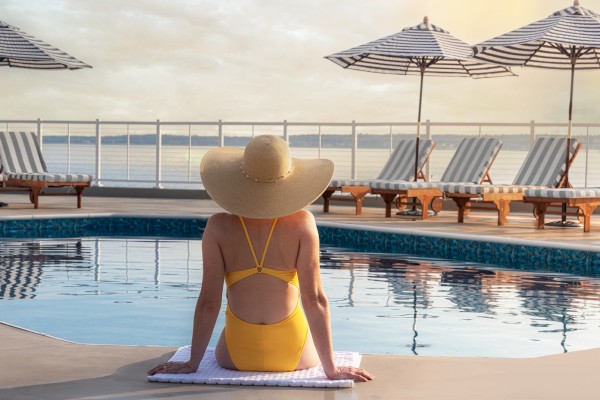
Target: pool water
{"points": [[142, 291]]}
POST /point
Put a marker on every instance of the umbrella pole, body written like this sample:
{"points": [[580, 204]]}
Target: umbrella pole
{"points": [[566, 184], [419, 126], [414, 200], [569, 126]]}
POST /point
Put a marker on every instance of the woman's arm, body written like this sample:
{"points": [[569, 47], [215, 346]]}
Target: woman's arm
{"points": [[208, 304], [315, 303]]}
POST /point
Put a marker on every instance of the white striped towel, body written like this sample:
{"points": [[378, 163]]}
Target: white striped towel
{"points": [[211, 373]]}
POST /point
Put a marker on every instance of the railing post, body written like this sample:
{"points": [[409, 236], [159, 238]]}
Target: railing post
{"points": [[531, 133], [221, 137], [354, 150], [189, 153], [587, 156], [68, 148], [428, 135], [39, 133], [98, 154], [158, 155], [285, 132], [320, 141], [128, 151]]}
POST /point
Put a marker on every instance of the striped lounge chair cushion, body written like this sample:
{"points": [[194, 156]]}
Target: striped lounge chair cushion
{"points": [[472, 160], [20, 152], [402, 185], [570, 193], [545, 163], [544, 166], [399, 166], [469, 188], [53, 178]]}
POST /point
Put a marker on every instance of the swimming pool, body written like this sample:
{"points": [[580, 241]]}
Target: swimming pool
{"points": [[142, 291]]}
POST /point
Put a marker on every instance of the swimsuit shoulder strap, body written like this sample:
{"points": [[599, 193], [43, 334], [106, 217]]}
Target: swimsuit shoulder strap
{"points": [[259, 265]]}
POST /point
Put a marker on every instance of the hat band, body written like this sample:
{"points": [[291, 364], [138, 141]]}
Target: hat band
{"points": [[263, 180]]}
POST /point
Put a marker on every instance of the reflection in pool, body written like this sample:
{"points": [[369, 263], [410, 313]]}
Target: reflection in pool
{"points": [[142, 291]]}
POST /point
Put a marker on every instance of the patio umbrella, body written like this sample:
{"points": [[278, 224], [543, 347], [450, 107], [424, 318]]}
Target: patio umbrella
{"points": [[19, 49], [425, 49], [569, 39]]}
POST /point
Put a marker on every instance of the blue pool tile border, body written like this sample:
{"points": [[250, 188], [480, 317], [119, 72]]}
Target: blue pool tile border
{"points": [[516, 255], [520, 255], [102, 226]]}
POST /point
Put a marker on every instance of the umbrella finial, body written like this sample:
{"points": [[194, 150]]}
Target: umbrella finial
{"points": [[426, 19], [576, 3]]}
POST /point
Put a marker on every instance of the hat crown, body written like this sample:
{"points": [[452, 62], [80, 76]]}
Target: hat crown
{"points": [[267, 159]]}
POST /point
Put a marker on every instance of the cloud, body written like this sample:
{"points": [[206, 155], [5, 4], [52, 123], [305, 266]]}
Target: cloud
{"points": [[263, 60]]}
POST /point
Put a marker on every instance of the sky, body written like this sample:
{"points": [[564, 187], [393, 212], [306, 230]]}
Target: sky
{"points": [[263, 60]]}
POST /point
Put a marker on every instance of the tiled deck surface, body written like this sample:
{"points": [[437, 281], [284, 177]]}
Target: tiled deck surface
{"points": [[38, 367]]}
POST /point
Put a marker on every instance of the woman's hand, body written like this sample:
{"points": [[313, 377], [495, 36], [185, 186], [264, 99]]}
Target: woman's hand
{"points": [[357, 374], [173, 368]]}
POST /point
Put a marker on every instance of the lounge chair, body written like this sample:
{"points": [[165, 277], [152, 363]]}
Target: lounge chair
{"points": [[470, 164], [585, 200], [23, 168], [399, 166], [544, 166]]}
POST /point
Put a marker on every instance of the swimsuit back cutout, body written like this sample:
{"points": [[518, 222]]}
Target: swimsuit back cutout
{"points": [[233, 277]]}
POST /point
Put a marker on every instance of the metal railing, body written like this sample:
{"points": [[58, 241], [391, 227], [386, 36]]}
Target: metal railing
{"points": [[167, 154]]}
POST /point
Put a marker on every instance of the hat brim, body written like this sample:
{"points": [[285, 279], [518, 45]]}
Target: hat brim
{"points": [[225, 182]]}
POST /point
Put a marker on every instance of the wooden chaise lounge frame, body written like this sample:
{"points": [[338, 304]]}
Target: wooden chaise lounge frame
{"points": [[585, 201]]}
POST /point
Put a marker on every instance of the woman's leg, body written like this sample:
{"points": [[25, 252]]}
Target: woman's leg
{"points": [[222, 354]]}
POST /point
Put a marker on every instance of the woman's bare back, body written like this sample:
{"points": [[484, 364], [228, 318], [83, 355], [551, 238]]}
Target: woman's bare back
{"points": [[260, 298]]}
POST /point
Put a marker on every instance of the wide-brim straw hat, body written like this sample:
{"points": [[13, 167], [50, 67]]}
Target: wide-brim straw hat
{"points": [[263, 180]]}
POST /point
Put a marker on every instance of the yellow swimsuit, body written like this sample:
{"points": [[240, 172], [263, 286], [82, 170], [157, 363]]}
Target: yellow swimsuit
{"points": [[265, 347]]}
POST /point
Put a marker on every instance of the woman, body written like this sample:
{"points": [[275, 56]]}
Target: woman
{"points": [[267, 252]]}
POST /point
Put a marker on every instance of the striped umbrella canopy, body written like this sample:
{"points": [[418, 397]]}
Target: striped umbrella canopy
{"points": [[425, 49], [568, 39], [19, 49]]}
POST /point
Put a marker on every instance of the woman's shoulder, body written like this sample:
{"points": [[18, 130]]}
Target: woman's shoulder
{"points": [[221, 217], [301, 221], [220, 221], [300, 217], [217, 218]]}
